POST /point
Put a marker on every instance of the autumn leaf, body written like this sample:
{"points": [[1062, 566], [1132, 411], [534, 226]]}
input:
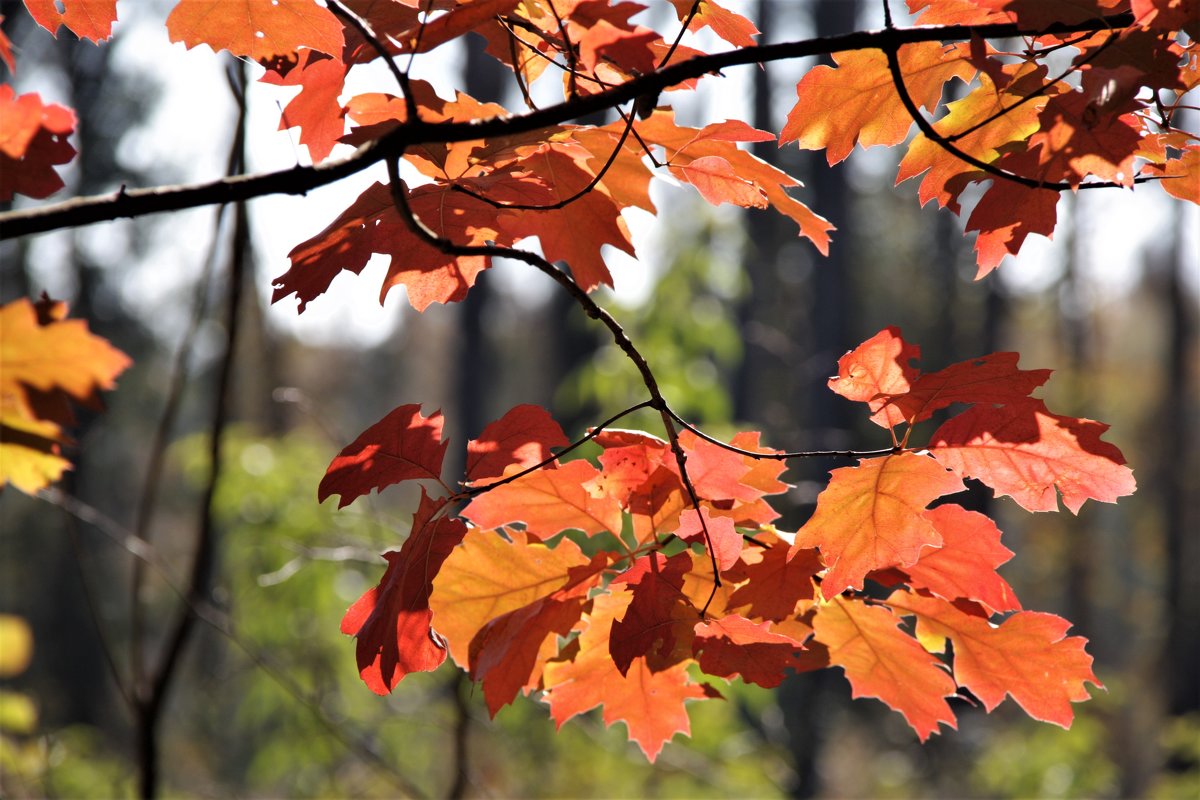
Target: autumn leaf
{"points": [[1006, 214], [878, 369], [873, 516], [33, 140], [509, 653], [1027, 656], [1024, 451], [729, 26], [46, 361], [492, 573], [778, 582], [857, 100], [392, 620], [659, 615], [651, 704], [548, 501], [258, 29], [316, 110], [402, 446], [87, 19], [726, 541], [523, 436], [734, 645], [882, 661], [965, 565], [717, 183]]}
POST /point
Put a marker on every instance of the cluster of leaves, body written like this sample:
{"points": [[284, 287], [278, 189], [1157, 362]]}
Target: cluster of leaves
{"points": [[46, 361], [602, 583], [615, 583]]}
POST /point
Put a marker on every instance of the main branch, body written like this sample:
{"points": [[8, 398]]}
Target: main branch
{"points": [[300, 180]]}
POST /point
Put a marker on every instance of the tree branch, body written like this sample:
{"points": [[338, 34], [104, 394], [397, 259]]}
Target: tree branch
{"points": [[301, 180]]}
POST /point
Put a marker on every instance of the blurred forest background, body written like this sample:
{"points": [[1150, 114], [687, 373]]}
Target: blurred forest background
{"points": [[742, 322]]}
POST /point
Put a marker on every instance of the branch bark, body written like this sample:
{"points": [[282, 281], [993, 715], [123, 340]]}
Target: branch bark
{"points": [[128, 203]]}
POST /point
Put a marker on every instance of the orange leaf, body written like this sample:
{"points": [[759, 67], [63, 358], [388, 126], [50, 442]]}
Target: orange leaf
{"points": [[392, 620], [882, 661], [877, 369], [549, 501], [33, 140], [1015, 120], [965, 565], [372, 225], [260, 29], [873, 516], [316, 110], [717, 183], [651, 704], [402, 446], [488, 575], [1024, 451], [46, 360], [1028, 656], [857, 101], [87, 19], [731, 27]]}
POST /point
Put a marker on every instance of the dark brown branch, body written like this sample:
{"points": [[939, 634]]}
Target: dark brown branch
{"points": [[892, 52], [301, 180]]}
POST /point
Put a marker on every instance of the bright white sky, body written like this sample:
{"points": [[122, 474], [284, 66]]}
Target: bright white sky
{"points": [[193, 123]]}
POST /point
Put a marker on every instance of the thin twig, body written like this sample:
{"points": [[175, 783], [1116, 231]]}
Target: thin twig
{"points": [[781, 455], [591, 434], [364, 30]]}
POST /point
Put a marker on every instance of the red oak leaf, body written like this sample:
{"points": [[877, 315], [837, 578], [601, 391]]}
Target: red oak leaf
{"points": [[778, 582], [372, 225], [488, 575], [982, 124], [731, 27], [1006, 214], [624, 471], [402, 446], [734, 645], [726, 541], [873, 516], [33, 140], [965, 565], [882, 661], [660, 614], [523, 436], [87, 19], [877, 369], [316, 110], [993, 379], [1024, 451], [260, 29], [857, 100], [510, 652], [392, 620], [548, 501], [1078, 137], [717, 183], [1028, 656], [651, 704]]}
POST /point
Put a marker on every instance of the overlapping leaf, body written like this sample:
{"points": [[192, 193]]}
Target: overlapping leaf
{"points": [[402, 446], [392, 620], [33, 141]]}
